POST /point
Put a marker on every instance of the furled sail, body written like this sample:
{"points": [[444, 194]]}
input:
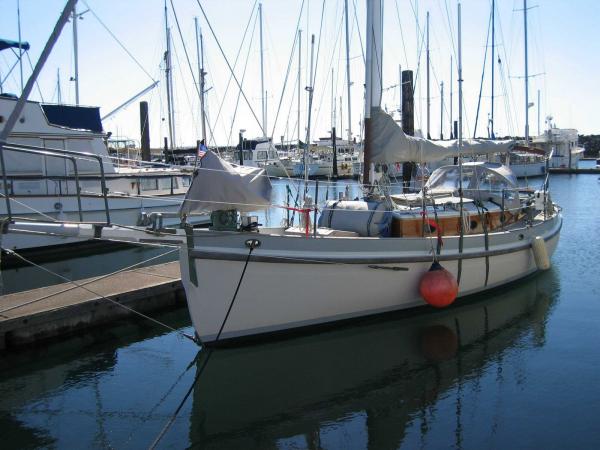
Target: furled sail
{"points": [[390, 144], [218, 185]]}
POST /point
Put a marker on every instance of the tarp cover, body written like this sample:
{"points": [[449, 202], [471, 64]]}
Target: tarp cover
{"points": [[391, 145], [219, 185], [77, 117]]}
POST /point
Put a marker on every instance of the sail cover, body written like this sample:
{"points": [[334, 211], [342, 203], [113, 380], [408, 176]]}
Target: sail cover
{"points": [[391, 145], [218, 185]]}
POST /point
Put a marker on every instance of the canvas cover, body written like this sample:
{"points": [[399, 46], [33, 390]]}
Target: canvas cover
{"points": [[367, 218], [391, 145], [219, 185]]}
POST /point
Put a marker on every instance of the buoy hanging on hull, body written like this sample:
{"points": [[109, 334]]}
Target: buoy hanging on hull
{"points": [[540, 253], [438, 287]]}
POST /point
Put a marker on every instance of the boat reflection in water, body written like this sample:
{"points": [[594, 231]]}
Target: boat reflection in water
{"points": [[363, 385]]}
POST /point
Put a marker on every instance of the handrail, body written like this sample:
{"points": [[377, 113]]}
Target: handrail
{"points": [[17, 147], [51, 155]]}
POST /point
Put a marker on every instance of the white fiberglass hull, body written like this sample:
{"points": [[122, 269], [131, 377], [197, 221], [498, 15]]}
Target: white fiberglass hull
{"points": [[537, 169], [292, 282]]}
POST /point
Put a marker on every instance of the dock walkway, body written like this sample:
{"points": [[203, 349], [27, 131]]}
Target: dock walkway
{"points": [[64, 308]]}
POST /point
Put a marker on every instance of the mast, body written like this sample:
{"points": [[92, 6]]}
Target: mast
{"points": [[372, 76], [262, 74], [492, 135], [169, 82], [348, 82], [460, 97], [75, 55], [201, 74], [460, 146], [451, 86], [20, 42], [58, 91], [526, 77], [539, 107], [428, 85], [442, 110], [333, 130], [299, 80], [400, 91], [310, 89]]}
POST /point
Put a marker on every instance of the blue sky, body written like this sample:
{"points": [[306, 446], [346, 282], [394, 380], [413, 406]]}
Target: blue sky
{"points": [[563, 48]]}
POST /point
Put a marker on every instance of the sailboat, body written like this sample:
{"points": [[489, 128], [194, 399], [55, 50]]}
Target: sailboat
{"points": [[368, 256], [470, 229]]}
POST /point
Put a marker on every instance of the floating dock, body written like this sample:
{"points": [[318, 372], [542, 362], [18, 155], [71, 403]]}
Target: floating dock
{"points": [[31, 316]]}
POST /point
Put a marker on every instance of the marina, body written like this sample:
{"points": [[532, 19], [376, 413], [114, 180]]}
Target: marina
{"points": [[446, 378], [273, 245]]}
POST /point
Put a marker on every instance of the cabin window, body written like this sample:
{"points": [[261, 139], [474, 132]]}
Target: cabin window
{"points": [[185, 181], [261, 154], [149, 184], [165, 183], [247, 155]]}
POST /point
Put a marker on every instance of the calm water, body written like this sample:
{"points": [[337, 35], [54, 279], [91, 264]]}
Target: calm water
{"points": [[516, 368]]}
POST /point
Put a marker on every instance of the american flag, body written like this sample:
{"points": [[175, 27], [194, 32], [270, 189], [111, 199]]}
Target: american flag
{"points": [[202, 149]]}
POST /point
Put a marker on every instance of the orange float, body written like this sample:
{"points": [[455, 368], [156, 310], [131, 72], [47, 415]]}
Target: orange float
{"points": [[438, 287]]}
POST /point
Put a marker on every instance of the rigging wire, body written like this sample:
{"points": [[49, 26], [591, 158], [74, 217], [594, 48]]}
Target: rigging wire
{"points": [[117, 40], [487, 39], [229, 66], [252, 12], [292, 52], [237, 101]]}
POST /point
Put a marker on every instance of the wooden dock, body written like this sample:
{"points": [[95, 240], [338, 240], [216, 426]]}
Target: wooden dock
{"points": [[32, 316]]}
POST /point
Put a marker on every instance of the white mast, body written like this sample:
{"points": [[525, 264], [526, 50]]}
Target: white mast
{"points": [[526, 77], [20, 48], [441, 110], [201, 74], [169, 82], [539, 106], [75, 55], [348, 82], [451, 89], [492, 134], [460, 95], [428, 87], [299, 81], [58, 91], [262, 74], [400, 91], [310, 90]]}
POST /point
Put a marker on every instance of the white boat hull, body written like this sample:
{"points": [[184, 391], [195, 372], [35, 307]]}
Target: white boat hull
{"points": [[537, 169], [297, 282]]}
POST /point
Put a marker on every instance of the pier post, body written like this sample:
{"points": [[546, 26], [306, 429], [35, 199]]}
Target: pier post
{"points": [[144, 131]]}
